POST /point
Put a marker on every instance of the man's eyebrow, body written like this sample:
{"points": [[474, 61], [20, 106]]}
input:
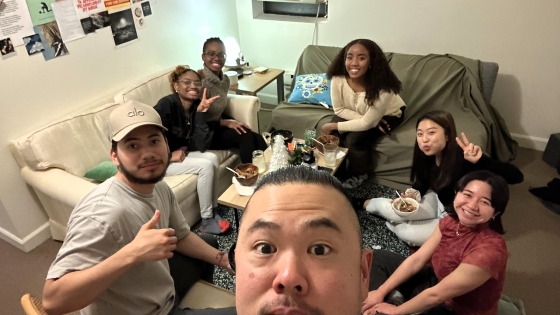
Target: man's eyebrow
{"points": [[262, 224], [130, 139], [322, 223], [149, 137], [310, 224]]}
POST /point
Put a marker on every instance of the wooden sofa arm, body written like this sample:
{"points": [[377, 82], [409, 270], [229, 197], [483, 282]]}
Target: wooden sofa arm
{"points": [[244, 108], [58, 184]]}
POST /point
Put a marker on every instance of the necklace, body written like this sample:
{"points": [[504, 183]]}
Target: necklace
{"points": [[457, 230]]}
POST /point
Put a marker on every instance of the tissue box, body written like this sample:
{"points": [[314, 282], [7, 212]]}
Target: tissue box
{"points": [[551, 155]]}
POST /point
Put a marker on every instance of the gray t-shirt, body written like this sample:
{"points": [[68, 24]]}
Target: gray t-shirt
{"points": [[105, 221]]}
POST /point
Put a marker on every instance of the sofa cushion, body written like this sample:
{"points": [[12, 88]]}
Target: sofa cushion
{"points": [[148, 90], [74, 144], [182, 185], [102, 171], [312, 88]]}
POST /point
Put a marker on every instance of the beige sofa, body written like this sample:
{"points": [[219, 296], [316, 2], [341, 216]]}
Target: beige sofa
{"points": [[54, 158]]}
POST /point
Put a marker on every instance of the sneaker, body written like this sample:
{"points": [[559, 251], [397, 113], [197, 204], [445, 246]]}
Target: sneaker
{"points": [[211, 226], [217, 217], [395, 297], [354, 181], [223, 223]]}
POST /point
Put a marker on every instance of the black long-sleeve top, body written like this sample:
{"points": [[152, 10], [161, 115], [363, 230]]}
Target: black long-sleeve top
{"points": [[191, 131], [446, 195]]}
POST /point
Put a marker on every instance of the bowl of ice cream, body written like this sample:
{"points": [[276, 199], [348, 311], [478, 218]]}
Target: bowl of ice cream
{"points": [[405, 209], [249, 171]]}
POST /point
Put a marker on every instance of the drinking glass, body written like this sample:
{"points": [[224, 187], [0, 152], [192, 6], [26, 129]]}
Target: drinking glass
{"points": [[259, 161], [310, 133], [329, 151]]}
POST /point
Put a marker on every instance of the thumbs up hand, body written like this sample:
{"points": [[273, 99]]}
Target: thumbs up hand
{"points": [[151, 244]]}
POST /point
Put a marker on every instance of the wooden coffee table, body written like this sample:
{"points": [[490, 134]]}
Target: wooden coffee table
{"points": [[232, 199]]}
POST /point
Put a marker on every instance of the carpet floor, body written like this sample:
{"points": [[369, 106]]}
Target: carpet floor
{"points": [[375, 233]]}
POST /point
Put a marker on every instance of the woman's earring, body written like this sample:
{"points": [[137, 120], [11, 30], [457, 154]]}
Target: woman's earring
{"points": [[176, 91]]}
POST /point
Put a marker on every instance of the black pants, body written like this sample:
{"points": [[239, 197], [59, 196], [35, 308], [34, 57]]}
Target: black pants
{"points": [[227, 138], [385, 263], [359, 143], [186, 271]]}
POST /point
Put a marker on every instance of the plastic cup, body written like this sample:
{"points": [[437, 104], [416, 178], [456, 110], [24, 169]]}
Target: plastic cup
{"points": [[309, 134], [329, 152], [259, 160]]}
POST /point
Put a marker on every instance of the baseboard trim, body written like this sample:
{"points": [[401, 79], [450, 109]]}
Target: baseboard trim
{"points": [[530, 142], [29, 242]]}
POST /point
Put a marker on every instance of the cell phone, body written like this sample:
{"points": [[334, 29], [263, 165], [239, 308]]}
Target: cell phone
{"points": [[326, 169]]}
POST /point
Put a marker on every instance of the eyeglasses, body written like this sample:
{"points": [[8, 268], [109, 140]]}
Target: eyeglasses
{"points": [[196, 83], [213, 54]]}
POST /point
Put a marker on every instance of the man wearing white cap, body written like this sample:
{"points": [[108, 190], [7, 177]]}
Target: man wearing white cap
{"points": [[114, 259]]}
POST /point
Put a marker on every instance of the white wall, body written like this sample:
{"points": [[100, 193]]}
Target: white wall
{"points": [[522, 36], [35, 92]]}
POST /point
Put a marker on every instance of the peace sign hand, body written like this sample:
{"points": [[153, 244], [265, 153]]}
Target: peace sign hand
{"points": [[472, 153], [204, 105]]}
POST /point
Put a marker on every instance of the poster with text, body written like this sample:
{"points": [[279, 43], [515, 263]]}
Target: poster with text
{"points": [[112, 5], [52, 41], [33, 44], [84, 8], [41, 11], [15, 21], [67, 20], [146, 8], [87, 25], [122, 26]]}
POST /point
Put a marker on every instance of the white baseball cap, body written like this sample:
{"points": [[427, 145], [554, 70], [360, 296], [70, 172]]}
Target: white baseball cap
{"points": [[131, 115]]}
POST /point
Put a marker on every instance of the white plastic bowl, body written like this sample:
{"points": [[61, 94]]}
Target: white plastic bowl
{"points": [[243, 190], [397, 202]]}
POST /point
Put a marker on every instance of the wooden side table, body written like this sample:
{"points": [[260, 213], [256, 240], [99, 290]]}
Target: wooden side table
{"points": [[255, 82], [232, 199]]}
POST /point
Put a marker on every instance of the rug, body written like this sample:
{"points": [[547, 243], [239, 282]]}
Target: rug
{"points": [[375, 233]]}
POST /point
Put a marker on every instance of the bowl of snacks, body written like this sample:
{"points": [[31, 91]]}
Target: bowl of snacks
{"points": [[408, 208], [324, 139], [286, 134], [249, 173]]}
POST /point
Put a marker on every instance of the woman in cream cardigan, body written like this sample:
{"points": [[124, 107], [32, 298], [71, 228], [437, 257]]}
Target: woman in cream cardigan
{"points": [[364, 92]]}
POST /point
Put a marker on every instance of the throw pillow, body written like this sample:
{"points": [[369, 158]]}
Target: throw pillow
{"points": [[102, 171], [312, 88]]}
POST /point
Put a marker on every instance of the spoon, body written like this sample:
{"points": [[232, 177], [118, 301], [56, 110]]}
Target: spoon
{"points": [[404, 202], [233, 171], [319, 142]]}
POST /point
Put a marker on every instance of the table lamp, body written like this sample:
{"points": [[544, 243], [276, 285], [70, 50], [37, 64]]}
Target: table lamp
{"points": [[233, 53]]}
